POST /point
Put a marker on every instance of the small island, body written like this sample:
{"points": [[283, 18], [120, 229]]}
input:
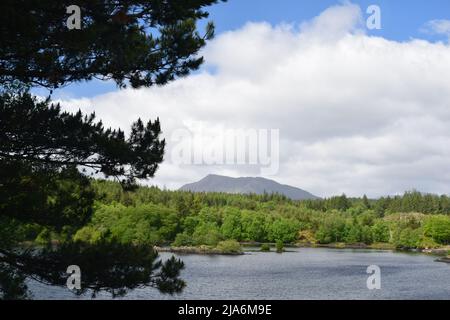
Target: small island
{"points": [[227, 247]]}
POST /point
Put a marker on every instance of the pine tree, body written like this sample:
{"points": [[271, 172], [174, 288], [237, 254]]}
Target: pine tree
{"points": [[46, 154]]}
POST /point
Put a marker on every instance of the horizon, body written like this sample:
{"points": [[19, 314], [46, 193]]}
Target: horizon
{"points": [[164, 188]]}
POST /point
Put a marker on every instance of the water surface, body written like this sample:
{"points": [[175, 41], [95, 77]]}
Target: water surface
{"points": [[306, 273]]}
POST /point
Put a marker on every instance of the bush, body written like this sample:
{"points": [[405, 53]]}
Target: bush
{"points": [[438, 228], [253, 226], [280, 246], [332, 228], [229, 246], [283, 229], [87, 234], [231, 224], [428, 243], [207, 233], [183, 240], [44, 237], [409, 238], [380, 231], [144, 223], [265, 247], [353, 234], [307, 236]]}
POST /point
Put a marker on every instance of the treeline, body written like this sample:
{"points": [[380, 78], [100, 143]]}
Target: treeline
{"points": [[159, 217], [413, 201], [149, 215]]}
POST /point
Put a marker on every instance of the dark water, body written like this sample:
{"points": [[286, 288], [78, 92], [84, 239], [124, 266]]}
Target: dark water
{"points": [[300, 274]]}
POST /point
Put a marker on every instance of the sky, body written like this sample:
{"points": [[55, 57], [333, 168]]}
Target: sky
{"points": [[347, 109]]}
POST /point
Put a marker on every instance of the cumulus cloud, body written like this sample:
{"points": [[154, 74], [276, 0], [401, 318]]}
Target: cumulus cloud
{"points": [[357, 114]]}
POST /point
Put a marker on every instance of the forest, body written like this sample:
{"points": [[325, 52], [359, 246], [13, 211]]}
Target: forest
{"points": [[151, 216]]}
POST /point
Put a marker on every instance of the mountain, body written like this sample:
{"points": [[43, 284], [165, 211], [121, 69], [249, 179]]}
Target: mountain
{"points": [[215, 183]]}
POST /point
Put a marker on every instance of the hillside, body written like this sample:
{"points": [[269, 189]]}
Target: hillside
{"points": [[247, 185]]}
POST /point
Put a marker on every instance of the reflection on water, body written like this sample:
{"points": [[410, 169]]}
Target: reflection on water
{"points": [[300, 274]]}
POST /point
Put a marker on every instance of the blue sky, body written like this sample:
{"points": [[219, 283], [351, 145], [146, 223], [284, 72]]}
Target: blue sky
{"points": [[401, 21]]}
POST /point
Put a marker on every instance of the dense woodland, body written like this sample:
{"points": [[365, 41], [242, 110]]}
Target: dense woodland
{"points": [[152, 216]]}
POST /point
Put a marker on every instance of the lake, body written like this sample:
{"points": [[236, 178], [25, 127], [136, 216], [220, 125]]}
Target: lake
{"points": [[305, 273]]}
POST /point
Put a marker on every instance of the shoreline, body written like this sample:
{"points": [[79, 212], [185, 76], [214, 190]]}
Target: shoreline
{"points": [[204, 250], [444, 260], [441, 251]]}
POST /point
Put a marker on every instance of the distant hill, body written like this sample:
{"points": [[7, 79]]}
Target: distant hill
{"points": [[216, 183]]}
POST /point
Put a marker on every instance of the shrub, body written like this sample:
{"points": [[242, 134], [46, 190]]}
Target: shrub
{"points": [[380, 231], [183, 240], [438, 227], [427, 242], [283, 229], [280, 246], [229, 246], [265, 247], [409, 238], [307, 236], [207, 233], [44, 237], [231, 225], [87, 234]]}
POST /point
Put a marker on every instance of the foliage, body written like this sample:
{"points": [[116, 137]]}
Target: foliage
{"points": [[231, 224], [269, 218], [183, 240], [283, 229], [380, 231], [307, 236], [134, 42], [12, 283], [207, 233], [144, 224], [107, 266], [229, 246], [38, 134], [438, 228], [279, 246], [46, 154]]}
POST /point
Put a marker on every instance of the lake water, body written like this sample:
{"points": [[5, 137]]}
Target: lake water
{"points": [[307, 273]]}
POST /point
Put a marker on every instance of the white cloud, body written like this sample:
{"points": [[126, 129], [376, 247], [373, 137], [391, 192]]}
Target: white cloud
{"points": [[357, 114], [438, 27]]}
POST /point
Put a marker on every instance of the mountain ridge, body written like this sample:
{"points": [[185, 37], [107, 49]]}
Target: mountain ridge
{"points": [[246, 185]]}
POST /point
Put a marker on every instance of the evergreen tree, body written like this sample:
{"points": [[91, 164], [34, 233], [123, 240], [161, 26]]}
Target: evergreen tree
{"points": [[133, 42], [45, 154], [366, 202]]}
